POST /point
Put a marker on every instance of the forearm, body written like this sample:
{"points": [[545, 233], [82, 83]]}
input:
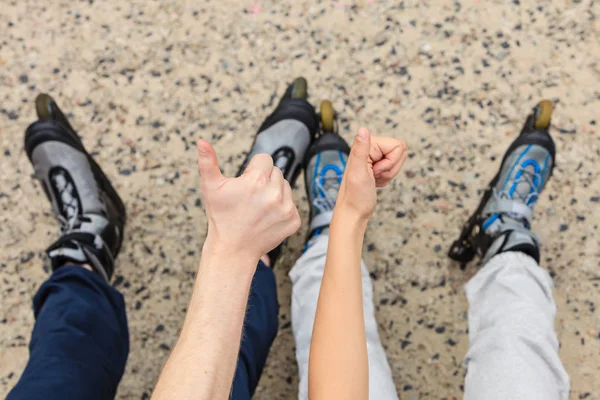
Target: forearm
{"points": [[203, 362], [338, 353]]}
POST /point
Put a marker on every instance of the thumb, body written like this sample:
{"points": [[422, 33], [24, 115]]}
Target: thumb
{"points": [[359, 154], [208, 165]]}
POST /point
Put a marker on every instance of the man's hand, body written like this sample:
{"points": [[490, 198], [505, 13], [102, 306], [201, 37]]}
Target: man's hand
{"points": [[373, 162], [249, 215]]}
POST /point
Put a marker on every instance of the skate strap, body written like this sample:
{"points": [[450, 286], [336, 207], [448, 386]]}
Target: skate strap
{"points": [[321, 220], [81, 248], [511, 206]]}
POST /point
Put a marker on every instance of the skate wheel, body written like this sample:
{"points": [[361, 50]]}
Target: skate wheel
{"points": [[543, 113], [43, 106], [327, 116], [299, 89]]}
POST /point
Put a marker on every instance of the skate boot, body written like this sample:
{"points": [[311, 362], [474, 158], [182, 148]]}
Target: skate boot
{"points": [[286, 135], [90, 212], [324, 168], [502, 222]]}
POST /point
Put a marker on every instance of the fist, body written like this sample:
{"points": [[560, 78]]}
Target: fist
{"points": [[373, 162], [249, 215]]}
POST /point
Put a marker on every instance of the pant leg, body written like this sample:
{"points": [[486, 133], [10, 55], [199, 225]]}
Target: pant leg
{"points": [[513, 349], [306, 279], [80, 341], [260, 328]]}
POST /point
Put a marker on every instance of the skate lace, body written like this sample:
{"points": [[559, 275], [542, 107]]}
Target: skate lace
{"points": [[69, 216], [323, 200], [68, 224], [532, 179]]}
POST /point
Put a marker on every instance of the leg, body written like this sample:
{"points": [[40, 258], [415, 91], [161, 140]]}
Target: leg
{"points": [[80, 341], [513, 351], [260, 329], [306, 282]]}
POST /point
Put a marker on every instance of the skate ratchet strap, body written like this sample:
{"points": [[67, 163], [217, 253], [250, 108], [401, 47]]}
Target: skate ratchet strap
{"points": [[321, 220], [511, 206], [81, 248]]}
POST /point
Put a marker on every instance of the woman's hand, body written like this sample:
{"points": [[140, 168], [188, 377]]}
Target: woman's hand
{"points": [[373, 162], [249, 215]]}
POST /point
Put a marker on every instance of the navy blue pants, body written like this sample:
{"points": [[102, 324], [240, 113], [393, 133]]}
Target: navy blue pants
{"points": [[80, 340]]}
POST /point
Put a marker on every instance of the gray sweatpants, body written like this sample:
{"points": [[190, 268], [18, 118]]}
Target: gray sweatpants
{"points": [[513, 350]]}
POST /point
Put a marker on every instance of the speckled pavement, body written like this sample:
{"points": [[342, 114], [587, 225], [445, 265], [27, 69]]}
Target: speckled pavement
{"points": [[455, 79]]}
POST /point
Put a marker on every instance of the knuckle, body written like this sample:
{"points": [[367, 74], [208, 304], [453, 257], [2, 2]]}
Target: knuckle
{"points": [[278, 197], [295, 225], [290, 211], [386, 175], [259, 177], [294, 222], [275, 198], [297, 220]]}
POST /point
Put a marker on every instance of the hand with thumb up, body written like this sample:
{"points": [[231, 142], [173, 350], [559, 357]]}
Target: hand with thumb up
{"points": [[249, 215], [373, 162]]}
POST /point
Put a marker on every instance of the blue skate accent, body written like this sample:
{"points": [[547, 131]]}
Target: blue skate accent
{"points": [[488, 222], [331, 167], [328, 166], [314, 181], [318, 179], [341, 153], [514, 165], [536, 180], [316, 233]]}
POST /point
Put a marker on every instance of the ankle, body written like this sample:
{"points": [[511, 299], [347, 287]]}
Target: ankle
{"points": [[514, 240], [495, 225], [84, 266]]}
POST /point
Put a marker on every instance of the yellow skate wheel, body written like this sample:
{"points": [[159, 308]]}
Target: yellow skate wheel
{"points": [[543, 113], [327, 116], [43, 106], [300, 89]]}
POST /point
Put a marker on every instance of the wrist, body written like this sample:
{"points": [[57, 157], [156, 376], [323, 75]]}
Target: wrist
{"points": [[216, 253], [352, 211], [349, 219]]}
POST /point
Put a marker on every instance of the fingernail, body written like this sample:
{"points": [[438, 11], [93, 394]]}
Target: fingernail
{"points": [[361, 136], [202, 151]]}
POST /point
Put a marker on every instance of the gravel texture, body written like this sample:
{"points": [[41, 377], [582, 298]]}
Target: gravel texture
{"points": [[143, 80]]}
